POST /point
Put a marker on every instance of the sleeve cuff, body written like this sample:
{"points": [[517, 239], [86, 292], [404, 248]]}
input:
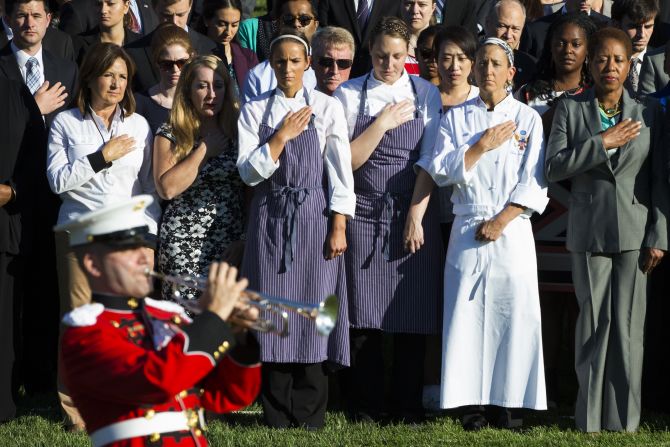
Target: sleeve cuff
{"points": [[530, 197], [97, 161], [209, 335], [247, 353], [262, 162]]}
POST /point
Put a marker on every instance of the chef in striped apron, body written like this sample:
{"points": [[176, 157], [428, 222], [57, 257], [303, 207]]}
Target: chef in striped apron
{"points": [[294, 151], [395, 255]]}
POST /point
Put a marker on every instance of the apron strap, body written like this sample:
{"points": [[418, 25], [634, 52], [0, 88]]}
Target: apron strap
{"points": [[295, 197], [271, 101]]}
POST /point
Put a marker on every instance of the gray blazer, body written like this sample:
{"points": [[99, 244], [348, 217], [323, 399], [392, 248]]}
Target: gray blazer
{"points": [[652, 75], [617, 203]]}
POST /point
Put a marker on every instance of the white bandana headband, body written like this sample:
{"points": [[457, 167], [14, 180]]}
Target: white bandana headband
{"points": [[502, 44], [289, 36]]}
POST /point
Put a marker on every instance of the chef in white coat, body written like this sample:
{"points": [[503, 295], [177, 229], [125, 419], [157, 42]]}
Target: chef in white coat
{"points": [[491, 149]]}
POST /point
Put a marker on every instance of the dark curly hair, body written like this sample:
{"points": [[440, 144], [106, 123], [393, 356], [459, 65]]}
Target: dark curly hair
{"points": [[543, 82]]}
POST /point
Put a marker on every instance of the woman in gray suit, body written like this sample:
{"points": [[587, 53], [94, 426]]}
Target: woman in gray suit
{"points": [[610, 146]]}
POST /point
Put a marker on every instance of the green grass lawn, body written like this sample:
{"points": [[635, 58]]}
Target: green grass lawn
{"points": [[38, 425]]}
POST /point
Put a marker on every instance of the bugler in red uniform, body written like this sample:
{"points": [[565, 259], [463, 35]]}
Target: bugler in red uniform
{"points": [[143, 367]]}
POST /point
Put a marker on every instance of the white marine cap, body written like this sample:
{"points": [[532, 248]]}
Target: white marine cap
{"points": [[121, 223]]}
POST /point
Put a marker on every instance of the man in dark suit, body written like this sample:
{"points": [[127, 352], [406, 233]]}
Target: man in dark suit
{"points": [[506, 21], [343, 13], [51, 80], [55, 77], [637, 18], [533, 43], [57, 42], [167, 11], [23, 134], [80, 16]]}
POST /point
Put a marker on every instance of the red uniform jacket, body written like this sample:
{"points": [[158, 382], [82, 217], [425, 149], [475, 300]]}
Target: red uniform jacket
{"points": [[124, 358]]}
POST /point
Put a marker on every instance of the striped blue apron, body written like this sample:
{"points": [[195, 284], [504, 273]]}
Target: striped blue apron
{"points": [[390, 289], [288, 225]]}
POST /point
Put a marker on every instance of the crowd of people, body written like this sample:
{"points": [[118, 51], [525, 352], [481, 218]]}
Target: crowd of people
{"points": [[468, 177]]}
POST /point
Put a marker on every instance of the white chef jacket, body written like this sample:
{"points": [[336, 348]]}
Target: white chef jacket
{"points": [[262, 79], [82, 180], [255, 162], [492, 335], [381, 94], [523, 183]]}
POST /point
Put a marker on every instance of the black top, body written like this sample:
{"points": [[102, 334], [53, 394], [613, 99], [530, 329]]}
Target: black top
{"points": [[154, 113]]}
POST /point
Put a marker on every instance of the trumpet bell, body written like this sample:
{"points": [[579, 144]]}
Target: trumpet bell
{"points": [[327, 315]]}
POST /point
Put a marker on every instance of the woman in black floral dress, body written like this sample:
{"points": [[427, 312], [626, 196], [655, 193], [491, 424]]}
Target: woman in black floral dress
{"points": [[194, 167]]}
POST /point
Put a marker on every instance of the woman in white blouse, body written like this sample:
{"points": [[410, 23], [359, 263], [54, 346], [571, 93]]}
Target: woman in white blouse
{"points": [[295, 153], [491, 150], [99, 153], [394, 279]]}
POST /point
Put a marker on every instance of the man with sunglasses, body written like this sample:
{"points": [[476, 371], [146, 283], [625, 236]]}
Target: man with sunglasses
{"points": [[295, 14], [332, 57]]}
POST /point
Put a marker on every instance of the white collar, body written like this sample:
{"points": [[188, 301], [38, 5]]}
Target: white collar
{"points": [[22, 57], [402, 80], [300, 94], [116, 117], [640, 57], [500, 107]]}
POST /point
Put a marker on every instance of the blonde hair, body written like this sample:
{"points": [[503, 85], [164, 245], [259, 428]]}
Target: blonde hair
{"points": [[184, 120]]}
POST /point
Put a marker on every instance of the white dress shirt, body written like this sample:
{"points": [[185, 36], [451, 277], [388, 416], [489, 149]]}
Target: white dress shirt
{"points": [[22, 58], [640, 58], [381, 94], [262, 79], [255, 162], [77, 172]]}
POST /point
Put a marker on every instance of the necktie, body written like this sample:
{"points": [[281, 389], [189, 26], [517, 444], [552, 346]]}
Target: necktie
{"points": [[362, 14], [33, 74], [633, 76], [439, 7], [134, 24]]}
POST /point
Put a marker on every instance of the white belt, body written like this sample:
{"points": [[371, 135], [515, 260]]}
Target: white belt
{"points": [[163, 422]]}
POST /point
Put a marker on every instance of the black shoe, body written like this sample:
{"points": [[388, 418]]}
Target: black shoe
{"points": [[507, 418], [475, 423]]}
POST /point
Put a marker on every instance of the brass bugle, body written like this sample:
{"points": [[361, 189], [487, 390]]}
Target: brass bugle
{"points": [[323, 314]]}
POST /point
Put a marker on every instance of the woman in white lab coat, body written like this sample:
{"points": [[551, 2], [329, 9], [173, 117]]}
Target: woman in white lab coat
{"points": [[491, 149]]}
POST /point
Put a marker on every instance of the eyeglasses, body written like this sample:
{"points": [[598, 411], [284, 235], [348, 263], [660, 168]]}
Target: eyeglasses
{"points": [[329, 62], [303, 19], [427, 54], [166, 65]]}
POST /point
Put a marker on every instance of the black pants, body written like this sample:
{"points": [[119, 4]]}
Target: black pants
{"points": [[294, 394], [364, 381], [10, 271]]}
